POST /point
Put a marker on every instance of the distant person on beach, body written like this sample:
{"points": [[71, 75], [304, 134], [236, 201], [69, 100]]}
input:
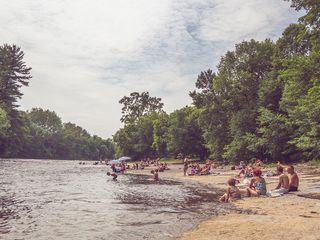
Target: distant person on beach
{"points": [[241, 167], [293, 179], [205, 170], [185, 166], [247, 172], [257, 185], [283, 185], [113, 167], [233, 192], [113, 175], [156, 175], [258, 163]]}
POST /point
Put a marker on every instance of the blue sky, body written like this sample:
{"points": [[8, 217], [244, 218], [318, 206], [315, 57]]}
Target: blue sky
{"points": [[86, 55]]}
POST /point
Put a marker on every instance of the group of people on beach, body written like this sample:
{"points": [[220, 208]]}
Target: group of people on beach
{"points": [[288, 182], [159, 167], [251, 177], [196, 169], [122, 167]]}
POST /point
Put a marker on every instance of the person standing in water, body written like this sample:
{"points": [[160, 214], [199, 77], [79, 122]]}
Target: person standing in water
{"points": [[185, 166], [155, 175]]}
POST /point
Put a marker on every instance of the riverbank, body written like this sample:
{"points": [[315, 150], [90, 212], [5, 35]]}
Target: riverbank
{"points": [[290, 217]]}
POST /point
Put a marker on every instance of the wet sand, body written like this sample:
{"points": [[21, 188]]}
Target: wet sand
{"points": [[293, 216]]}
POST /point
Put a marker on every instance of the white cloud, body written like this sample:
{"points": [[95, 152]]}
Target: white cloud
{"points": [[86, 54], [238, 20]]}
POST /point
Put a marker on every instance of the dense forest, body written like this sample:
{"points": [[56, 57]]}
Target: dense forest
{"points": [[262, 102], [38, 133]]}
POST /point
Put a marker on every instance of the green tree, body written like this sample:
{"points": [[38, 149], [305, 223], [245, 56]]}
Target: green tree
{"points": [[137, 105], [135, 139], [13, 75], [312, 7], [160, 134], [45, 119], [184, 133], [4, 122]]}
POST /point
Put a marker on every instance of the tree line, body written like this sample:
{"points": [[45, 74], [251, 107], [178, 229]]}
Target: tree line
{"points": [[38, 133], [262, 102]]}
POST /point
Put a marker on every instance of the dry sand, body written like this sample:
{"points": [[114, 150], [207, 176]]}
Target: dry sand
{"points": [[289, 217]]}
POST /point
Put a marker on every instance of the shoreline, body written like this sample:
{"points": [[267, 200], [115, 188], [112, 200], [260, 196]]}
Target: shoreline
{"points": [[290, 217]]}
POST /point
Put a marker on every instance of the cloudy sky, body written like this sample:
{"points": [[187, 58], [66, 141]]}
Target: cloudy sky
{"points": [[87, 54]]}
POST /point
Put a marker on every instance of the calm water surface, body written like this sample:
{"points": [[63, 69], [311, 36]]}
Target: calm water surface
{"points": [[46, 199]]}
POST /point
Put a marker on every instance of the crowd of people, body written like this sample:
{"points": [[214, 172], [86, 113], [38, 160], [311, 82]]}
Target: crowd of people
{"points": [[121, 167], [250, 176], [255, 182], [196, 169]]}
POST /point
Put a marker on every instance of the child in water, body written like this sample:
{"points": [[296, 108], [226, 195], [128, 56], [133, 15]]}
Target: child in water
{"points": [[155, 175], [113, 175], [233, 192]]}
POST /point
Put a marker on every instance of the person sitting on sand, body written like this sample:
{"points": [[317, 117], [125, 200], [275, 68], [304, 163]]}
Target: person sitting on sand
{"points": [[257, 185], [293, 179], [283, 185], [166, 166], [205, 170], [233, 192], [162, 167], [193, 171], [113, 175], [258, 163], [241, 166], [198, 168], [247, 172]]}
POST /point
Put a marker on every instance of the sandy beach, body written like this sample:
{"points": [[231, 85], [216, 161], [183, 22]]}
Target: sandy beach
{"points": [[293, 216]]}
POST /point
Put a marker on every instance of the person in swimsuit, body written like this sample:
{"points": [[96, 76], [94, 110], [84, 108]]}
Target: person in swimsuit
{"points": [[113, 175], [257, 185], [283, 185], [233, 192], [293, 179]]}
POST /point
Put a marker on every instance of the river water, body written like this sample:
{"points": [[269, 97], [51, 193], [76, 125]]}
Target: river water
{"points": [[50, 199]]}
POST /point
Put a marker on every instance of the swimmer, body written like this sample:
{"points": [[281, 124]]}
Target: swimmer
{"points": [[113, 175]]}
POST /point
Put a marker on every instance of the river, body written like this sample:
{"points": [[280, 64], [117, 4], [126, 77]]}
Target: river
{"points": [[53, 199]]}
